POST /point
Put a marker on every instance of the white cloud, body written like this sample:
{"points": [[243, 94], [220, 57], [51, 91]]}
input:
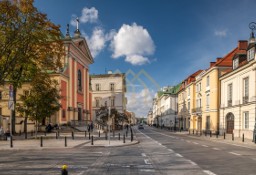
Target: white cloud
{"points": [[140, 102], [136, 59], [98, 39], [88, 15], [220, 33], [132, 41]]}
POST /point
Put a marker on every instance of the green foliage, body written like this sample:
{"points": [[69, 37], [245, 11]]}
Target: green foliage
{"points": [[43, 99], [28, 42]]}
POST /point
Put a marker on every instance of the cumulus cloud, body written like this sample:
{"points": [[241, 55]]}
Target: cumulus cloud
{"points": [[88, 15], [98, 39], [220, 33], [133, 42], [140, 102]]}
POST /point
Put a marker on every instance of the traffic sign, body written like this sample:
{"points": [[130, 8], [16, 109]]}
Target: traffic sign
{"points": [[11, 105]]}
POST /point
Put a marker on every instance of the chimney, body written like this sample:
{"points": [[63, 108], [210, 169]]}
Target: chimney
{"points": [[218, 59], [242, 44], [212, 63]]}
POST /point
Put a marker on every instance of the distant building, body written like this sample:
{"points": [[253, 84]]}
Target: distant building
{"points": [[108, 90]]}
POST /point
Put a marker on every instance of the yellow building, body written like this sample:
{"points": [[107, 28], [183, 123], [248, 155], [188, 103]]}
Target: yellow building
{"points": [[205, 115], [186, 102]]}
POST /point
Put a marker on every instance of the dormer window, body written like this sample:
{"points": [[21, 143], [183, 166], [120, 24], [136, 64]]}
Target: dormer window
{"points": [[235, 63], [250, 54]]}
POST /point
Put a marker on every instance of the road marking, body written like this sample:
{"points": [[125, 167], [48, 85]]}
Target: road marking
{"points": [[178, 155], [235, 153], [147, 162], [205, 146], [196, 143], [209, 172], [147, 170], [170, 150], [216, 149], [193, 163], [143, 154]]}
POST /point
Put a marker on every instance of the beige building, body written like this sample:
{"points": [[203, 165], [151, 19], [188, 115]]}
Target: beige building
{"points": [[205, 115], [238, 94], [108, 90]]}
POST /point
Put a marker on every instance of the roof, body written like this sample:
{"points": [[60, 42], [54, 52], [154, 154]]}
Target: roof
{"points": [[107, 75], [170, 90]]}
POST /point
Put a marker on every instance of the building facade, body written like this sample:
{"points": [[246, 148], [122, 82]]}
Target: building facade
{"points": [[108, 90], [238, 94]]}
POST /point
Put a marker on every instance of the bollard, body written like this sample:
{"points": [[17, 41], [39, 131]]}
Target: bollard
{"points": [[26, 135], [131, 137], [224, 135], [41, 141], [124, 138], [89, 135], [65, 141], [45, 133], [189, 132], [99, 133], [20, 132], [56, 135], [85, 134], [210, 133], [72, 134], [126, 133], [92, 141], [243, 137], [113, 133], [232, 136], [118, 136], [255, 138], [193, 131], [106, 137], [64, 170], [11, 143], [217, 134], [205, 133]]}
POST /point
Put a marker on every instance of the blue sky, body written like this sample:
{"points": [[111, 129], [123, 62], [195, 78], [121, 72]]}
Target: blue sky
{"points": [[160, 41]]}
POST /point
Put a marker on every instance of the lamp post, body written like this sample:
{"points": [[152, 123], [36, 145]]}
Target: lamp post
{"points": [[252, 26]]}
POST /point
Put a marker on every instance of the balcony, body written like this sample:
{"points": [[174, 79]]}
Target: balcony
{"points": [[197, 110], [245, 99], [229, 103]]}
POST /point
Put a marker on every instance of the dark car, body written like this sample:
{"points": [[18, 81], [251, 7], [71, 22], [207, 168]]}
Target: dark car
{"points": [[140, 126]]}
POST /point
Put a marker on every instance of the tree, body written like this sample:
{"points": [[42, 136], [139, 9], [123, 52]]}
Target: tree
{"points": [[42, 101], [29, 43]]}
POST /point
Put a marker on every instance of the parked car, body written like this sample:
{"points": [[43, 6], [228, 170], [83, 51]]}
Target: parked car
{"points": [[140, 126]]}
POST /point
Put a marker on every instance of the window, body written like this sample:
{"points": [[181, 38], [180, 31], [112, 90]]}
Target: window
{"points": [[246, 90], [235, 63], [207, 81], [188, 105], [199, 86], [230, 89], [63, 113], [250, 54], [189, 91], [0, 95], [97, 87], [112, 86], [79, 80], [97, 103], [112, 102], [246, 120], [207, 101]]}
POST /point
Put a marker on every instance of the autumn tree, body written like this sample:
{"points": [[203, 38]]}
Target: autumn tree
{"points": [[42, 100], [29, 43]]}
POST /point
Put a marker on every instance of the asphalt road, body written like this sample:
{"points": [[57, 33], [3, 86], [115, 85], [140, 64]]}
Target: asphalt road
{"points": [[159, 152]]}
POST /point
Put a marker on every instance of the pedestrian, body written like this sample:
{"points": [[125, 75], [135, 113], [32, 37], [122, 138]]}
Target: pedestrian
{"points": [[89, 127], [92, 126]]}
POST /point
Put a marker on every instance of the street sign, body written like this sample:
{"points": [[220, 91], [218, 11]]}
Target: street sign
{"points": [[11, 105]]}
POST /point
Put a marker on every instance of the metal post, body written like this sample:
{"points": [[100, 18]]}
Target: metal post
{"points": [[92, 140], [210, 133], [193, 131], [217, 134], [243, 137], [131, 137], [99, 133], [124, 138], [41, 141], [85, 134], [109, 126], [118, 136], [56, 135], [232, 136], [65, 141], [11, 143], [89, 135], [224, 135], [73, 137]]}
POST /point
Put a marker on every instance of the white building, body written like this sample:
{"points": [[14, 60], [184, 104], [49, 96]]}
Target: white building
{"points": [[165, 107], [108, 90], [238, 94]]}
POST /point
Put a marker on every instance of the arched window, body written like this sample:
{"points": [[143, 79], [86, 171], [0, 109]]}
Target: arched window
{"points": [[79, 80]]}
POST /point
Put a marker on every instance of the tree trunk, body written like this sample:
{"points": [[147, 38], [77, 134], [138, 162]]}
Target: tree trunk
{"points": [[26, 127], [13, 119]]}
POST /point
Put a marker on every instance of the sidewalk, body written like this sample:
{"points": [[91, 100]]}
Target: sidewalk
{"points": [[228, 139], [77, 139]]}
